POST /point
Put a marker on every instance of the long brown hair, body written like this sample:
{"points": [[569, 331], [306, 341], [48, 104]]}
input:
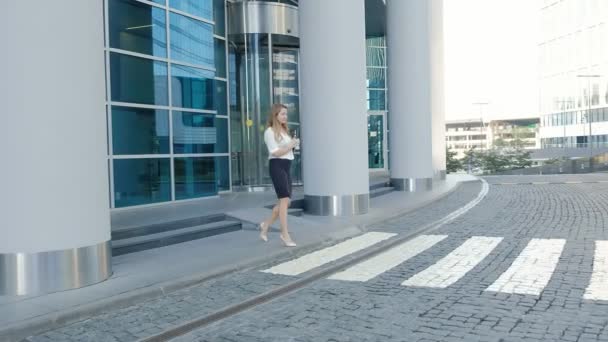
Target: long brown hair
{"points": [[273, 121]]}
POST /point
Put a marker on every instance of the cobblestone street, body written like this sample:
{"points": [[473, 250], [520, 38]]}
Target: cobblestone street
{"points": [[527, 263]]}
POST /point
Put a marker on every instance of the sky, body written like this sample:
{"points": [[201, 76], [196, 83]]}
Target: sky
{"points": [[491, 55]]}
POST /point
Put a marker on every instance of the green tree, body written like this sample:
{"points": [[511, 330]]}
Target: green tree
{"points": [[472, 160], [452, 164], [494, 160], [520, 159]]}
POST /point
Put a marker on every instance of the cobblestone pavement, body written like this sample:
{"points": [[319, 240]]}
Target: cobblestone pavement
{"points": [[153, 316], [565, 220], [382, 309]]}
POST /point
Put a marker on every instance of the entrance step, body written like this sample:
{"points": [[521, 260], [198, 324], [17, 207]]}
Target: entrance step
{"points": [[174, 236], [381, 191], [379, 185], [125, 233], [295, 212]]}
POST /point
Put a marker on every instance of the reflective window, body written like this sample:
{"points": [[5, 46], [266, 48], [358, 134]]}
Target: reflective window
{"points": [[141, 181], [285, 81], [160, 2], [199, 133], [140, 130], [138, 80], [192, 87], [376, 78], [375, 141], [221, 97], [191, 41], [376, 56], [219, 17], [220, 58], [222, 167], [195, 177], [377, 100], [137, 27], [199, 8]]}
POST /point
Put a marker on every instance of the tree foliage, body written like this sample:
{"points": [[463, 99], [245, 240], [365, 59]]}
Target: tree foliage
{"points": [[452, 163], [501, 158]]}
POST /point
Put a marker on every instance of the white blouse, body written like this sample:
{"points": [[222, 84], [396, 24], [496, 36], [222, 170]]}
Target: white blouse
{"points": [[274, 145]]}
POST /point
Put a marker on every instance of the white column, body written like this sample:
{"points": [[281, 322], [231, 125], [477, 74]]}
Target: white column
{"points": [[333, 103], [415, 92], [54, 222]]}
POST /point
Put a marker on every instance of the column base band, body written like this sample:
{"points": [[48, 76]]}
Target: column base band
{"points": [[46, 272], [412, 184], [344, 205]]}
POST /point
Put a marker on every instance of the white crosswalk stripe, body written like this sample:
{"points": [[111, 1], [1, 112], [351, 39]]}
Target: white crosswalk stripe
{"points": [[455, 265], [329, 254], [381, 263], [532, 269], [598, 287], [529, 273]]}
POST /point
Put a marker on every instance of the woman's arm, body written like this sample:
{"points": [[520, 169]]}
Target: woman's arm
{"points": [[273, 147], [284, 150]]}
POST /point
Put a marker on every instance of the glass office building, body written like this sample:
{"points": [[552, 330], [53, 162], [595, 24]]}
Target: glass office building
{"points": [[167, 100], [189, 91], [119, 104]]}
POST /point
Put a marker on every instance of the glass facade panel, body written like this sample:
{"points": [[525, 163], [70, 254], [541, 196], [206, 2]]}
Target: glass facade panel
{"points": [[219, 17], [192, 87], [144, 28], [137, 27], [199, 8], [376, 56], [376, 78], [285, 81], [222, 166], [138, 80], [377, 100], [140, 131], [191, 41], [220, 58], [195, 177], [199, 133], [221, 97], [141, 181], [375, 141]]}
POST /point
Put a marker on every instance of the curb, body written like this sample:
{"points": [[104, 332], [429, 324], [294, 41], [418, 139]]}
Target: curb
{"points": [[19, 330], [549, 183]]}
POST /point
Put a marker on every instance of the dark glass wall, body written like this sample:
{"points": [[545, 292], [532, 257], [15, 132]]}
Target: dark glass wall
{"points": [[167, 100]]}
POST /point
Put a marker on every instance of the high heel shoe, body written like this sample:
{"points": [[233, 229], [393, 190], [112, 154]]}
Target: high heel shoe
{"points": [[263, 232], [287, 243]]}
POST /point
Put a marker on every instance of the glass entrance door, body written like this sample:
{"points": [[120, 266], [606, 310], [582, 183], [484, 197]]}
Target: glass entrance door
{"points": [[285, 82], [375, 141], [261, 73]]}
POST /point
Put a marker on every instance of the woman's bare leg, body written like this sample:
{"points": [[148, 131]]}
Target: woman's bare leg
{"points": [[283, 206], [273, 216]]}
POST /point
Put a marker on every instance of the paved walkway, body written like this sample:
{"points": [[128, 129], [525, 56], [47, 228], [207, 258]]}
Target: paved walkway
{"points": [[155, 273]]}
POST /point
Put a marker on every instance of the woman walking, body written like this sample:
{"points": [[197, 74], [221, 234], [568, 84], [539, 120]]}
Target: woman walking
{"points": [[280, 154]]}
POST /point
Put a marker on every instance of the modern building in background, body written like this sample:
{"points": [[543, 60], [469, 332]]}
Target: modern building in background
{"points": [[574, 73], [120, 104], [463, 135], [521, 133]]}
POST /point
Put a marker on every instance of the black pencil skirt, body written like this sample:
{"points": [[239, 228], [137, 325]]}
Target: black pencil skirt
{"points": [[281, 176]]}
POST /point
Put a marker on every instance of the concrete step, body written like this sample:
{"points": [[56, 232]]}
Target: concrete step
{"points": [[166, 238], [378, 185], [130, 232], [295, 212], [381, 191], [291, 210]]}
